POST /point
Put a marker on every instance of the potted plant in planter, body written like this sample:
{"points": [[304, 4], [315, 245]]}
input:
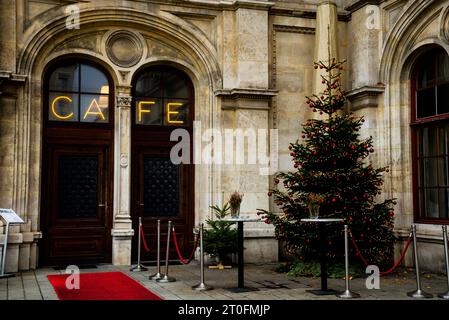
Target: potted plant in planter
{"points": [[220, 239]]}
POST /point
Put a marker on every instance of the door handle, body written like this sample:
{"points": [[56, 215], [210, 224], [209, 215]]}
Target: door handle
{"points": [[102, 205]]}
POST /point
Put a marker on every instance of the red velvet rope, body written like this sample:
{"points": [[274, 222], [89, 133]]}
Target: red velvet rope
{"points": [[365, 262], [183, 261], [145, 246]]}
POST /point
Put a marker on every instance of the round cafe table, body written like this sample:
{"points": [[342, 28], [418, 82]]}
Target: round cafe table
{"points": [[323, 263], [241, 273]]}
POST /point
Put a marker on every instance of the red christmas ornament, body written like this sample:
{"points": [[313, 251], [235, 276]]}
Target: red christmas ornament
{"points": [[270, 194], [292, 154]]}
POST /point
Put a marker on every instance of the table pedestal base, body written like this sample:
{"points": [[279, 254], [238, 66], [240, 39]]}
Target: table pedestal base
{"points": [[320, 292], [240, 290]]}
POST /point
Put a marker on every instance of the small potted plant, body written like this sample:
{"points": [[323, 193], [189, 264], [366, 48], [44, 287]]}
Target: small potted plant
{"points": [[234, 201], [314, 201], [220, 239]]}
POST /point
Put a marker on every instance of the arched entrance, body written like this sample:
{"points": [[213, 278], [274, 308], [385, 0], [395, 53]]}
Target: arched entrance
{"points": [[162, 102], [77, 164]]}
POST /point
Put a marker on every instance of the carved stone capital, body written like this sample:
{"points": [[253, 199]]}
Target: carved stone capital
{"points": [[123, 101]]}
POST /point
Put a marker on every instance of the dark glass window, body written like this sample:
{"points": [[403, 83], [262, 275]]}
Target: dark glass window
{"points": [[161, 187], [163, 96], [78, 92], [430, 123], [78, 187]]}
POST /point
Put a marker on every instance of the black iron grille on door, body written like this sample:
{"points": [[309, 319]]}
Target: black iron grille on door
{"points": [[161, 187], [77, 187]]}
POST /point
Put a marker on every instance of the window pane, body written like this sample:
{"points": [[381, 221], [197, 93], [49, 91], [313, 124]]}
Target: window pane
{"points": [[93, 80], [94, 108], [161, 187], [431, 198], [430, 172], [77, 187], [176, 112], [426, 75], [442, 67], [149, 85], [63, 107], [425, 103], [428, 142], [443, 200], [176, 86], [148, 111], [443, 98], [65, 78]]}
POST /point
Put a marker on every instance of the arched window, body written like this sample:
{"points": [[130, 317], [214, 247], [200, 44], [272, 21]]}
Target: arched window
{"points": [[78, 92], [163, 97], [430, 130]]}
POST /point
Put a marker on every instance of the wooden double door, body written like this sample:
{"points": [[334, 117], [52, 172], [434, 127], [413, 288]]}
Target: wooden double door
{"points": [[160, 190], [76, 196]]}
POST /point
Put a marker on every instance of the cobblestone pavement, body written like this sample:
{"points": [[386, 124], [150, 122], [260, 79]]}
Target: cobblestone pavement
{"points": [[270, 285]]}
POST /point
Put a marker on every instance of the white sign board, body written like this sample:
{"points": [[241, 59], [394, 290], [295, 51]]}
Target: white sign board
{"points": [[10, 216]]}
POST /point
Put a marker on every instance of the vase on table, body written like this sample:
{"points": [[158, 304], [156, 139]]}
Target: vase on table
{"points": [[314, 210], [235, 212]]}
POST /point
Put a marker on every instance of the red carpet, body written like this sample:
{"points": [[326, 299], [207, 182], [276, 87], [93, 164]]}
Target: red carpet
{"points": [[101, 286]]}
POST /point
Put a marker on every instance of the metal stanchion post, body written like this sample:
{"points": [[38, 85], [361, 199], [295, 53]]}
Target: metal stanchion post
{"points": [[202, 285], [166, 278], [347, 294], [446, 257], [158, 274], [139, 267], [418, 293]]}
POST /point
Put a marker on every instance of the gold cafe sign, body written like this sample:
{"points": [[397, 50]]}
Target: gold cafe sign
{"points": [[94, 108]]}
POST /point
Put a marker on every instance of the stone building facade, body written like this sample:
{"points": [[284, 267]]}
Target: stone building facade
{"points": [[249, 65]]}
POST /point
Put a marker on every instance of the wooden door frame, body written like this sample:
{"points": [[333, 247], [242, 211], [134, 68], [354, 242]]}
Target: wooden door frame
{"points": [[73, 134], [153, 136]]}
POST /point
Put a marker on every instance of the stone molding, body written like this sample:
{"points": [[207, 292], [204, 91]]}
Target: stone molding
{"points": [[255, 99], [358, 4], [293, 29], [444, 26], [365, 97], [249, 94]]}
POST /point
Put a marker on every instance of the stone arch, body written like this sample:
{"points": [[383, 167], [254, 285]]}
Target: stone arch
{"points": [[46, 41], [403, 45]]}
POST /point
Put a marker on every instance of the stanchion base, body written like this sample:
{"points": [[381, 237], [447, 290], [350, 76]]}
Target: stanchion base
{"points": [[320, 292], [444, 295], [202, 287], [138, 268], [7, 275], [156, 276], [166, 279], [348, 294], [419, 294]]}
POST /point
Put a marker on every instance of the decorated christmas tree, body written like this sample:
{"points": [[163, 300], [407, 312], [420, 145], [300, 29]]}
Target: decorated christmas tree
{"points": [[332, 174]]}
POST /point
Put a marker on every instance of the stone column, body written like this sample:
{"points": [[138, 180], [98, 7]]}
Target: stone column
{"points": [[122, 231], [325, 39]]}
